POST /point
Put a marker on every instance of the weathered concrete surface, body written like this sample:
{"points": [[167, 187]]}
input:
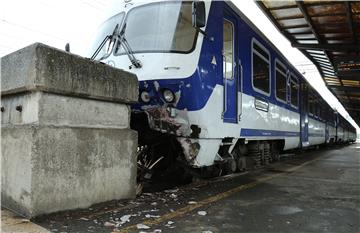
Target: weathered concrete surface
{"points": [[51, 109], [11, 223], [40, 67], [65, 142], [47, 169]]}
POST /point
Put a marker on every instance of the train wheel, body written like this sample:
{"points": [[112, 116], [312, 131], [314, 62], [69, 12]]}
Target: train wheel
{"points": [[241, 164], [231, 166], [275, 153]]}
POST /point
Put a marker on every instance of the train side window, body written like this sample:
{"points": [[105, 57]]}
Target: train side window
{"points": [[260, 68], [311, 103], [280, 77], [294, 86], [228, 50]]}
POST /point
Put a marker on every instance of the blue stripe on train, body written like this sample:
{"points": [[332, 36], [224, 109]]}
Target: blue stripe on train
{"points": [[263, 132], [316, 135]]}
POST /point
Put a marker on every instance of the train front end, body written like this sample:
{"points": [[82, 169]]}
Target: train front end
{"points": [[160, 42]]}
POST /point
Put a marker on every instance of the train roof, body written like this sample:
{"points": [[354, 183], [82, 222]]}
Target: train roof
{"points": [[328, 33]]}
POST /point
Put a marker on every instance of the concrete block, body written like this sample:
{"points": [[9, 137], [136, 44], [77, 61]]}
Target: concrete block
{"points": [[48, 169], [42, 68], [57, 110]]}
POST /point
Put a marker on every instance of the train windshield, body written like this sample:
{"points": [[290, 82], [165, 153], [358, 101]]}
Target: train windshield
{"points": [[160, 27], [106, 29]]}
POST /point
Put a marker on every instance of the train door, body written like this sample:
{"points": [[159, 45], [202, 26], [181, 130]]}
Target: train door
{"points": [[230, 69], [304, 118]]}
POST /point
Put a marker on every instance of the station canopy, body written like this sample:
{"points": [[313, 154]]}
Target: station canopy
{"points": [[328, 33]]}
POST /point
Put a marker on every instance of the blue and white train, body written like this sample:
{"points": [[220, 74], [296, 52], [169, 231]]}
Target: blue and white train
{"points": [[213, 89]]}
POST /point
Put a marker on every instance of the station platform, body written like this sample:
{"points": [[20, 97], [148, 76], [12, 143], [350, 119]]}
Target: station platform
{"points": [[312, 191]]}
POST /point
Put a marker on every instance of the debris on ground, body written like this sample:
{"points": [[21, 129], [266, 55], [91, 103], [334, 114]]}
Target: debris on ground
{"points": [[156, 231], [151, 216], [109, 224], [192, 202], [152, 210], [169, 223], [125, 218], [202, 213], [173, 195], [172, 190], [142, 226], [84, 219]]}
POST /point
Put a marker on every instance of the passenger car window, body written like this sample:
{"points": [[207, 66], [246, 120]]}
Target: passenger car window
{"points": [[228, 50], [311, 103], [260, 68], [280, 76], [294, 91]]}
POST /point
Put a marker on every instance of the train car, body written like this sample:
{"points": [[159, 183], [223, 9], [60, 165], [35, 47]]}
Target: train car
{"points": [[213, 89], [346, 132]]}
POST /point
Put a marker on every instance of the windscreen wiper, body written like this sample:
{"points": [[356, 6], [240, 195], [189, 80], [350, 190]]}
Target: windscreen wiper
{"points": [[112, 39], [122, 41]]}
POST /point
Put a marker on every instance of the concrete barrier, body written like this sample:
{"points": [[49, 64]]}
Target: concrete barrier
{"points": [[66, 141]]}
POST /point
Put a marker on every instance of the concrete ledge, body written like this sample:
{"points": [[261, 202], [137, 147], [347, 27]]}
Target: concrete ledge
{"points": [[42, 68], [57, 110], [48, 169]]}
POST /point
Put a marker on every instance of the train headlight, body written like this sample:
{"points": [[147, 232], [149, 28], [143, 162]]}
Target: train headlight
{"points": [[145, 97], [168, 95]]}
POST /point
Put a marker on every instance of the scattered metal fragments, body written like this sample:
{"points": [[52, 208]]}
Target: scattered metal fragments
{"points": [[192, 202]]}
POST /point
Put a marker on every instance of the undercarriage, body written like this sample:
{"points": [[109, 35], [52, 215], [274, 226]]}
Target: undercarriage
{"points": [[161, 155]]}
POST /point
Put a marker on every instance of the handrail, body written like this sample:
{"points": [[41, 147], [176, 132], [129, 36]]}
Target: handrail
{"points": [[241, 88], [225, 89]]}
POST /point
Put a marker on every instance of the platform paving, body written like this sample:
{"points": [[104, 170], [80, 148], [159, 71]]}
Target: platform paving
{"points": [[313, 191]]}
